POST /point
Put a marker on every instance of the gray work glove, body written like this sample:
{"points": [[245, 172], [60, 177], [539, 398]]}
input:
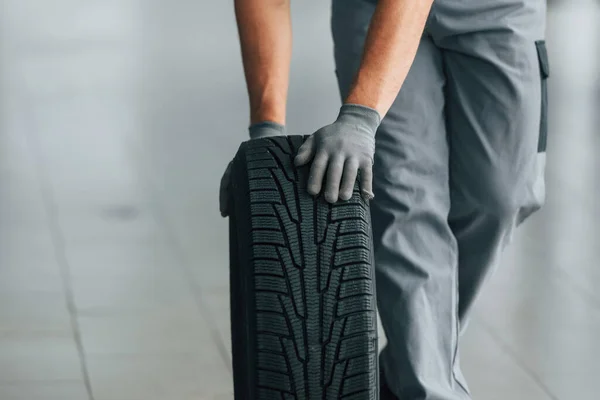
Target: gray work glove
{"points": [[341, 150], [256, 131]]}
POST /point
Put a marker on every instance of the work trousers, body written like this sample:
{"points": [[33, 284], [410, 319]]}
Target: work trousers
{"points": [[459, 164]]}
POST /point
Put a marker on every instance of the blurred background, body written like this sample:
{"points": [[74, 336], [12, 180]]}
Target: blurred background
{"points": [[117, 119]]}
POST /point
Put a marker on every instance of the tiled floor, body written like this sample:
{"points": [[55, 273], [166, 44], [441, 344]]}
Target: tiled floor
{"points": [[116, 120]]}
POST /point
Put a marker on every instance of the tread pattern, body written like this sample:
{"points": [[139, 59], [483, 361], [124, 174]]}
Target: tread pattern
{"points": [[313, 283]]}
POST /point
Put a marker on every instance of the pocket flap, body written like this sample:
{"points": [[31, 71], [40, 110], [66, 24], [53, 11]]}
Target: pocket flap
{"points": [[543, 58]]}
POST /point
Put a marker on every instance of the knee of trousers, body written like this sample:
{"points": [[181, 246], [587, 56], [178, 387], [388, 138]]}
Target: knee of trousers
{"points": [[535, 195], [508, 199], [503, 204]]}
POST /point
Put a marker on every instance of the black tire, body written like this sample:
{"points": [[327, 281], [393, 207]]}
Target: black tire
{"points": [[303, 315]]}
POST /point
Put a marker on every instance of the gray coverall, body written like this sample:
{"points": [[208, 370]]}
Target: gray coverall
{"points": [[459, 164]]}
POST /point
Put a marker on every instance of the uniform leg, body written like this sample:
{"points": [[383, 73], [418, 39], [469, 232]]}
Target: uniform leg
{"points": [[496, 68]]}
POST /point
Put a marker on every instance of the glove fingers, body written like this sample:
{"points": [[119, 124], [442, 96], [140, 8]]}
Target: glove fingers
{"points": [[335, 168], [349, 178], [317, 172], [305, 152], [224, 191], [366, 182]]}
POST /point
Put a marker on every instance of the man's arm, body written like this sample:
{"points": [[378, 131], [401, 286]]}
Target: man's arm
{"points": [[265, 32], [390, 48]]}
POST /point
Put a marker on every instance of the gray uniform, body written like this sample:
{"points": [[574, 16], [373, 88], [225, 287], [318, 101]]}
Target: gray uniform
{"points": [[459, 165]]}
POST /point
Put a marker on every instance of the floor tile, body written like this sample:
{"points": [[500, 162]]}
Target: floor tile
{"points": [[492, 374], [23, 245], [27, 313], [115, 259], [580, 385], [151, 291], [216, 300], [25, 359], [51, 390], [120, 223], [145, 377], [19, 207], [146, 334], [30, 278]]}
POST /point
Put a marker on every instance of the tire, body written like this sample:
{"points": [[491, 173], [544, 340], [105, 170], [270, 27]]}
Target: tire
{"points": [[303, 314]]}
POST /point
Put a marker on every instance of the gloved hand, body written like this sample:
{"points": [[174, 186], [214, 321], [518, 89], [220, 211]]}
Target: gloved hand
{"points": [[340, 150], [256, 131]]}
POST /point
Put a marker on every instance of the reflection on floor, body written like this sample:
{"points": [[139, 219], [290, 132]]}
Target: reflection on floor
{"points": [[116, 120]]}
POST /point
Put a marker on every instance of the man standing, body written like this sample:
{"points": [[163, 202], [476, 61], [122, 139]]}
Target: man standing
{"points": [[444, 115]]}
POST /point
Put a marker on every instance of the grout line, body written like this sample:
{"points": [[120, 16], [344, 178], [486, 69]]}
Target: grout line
{"points": [[517, 360], [59, 245], [184, 265]]}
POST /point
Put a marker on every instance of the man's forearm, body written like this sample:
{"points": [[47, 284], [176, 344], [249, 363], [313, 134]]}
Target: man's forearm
{"points": [[390, 48], [265, 33]]}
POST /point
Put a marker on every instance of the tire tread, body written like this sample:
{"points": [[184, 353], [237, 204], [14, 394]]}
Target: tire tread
{"points": [[312, 280]]}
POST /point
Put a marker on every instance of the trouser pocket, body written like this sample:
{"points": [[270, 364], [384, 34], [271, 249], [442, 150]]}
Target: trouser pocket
{"points": [[544, 73]]}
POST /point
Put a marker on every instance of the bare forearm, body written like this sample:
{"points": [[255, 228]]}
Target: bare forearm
{"points": [[390, 48], [265, 33]]}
